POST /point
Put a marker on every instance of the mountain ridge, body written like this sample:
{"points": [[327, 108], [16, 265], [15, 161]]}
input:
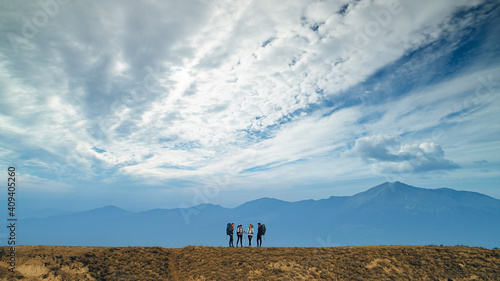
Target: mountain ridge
{"points": [[387, 214], [379, 188]]}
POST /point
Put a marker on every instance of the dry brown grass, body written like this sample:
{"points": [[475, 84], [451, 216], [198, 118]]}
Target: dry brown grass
{"points": [[217, 263]]}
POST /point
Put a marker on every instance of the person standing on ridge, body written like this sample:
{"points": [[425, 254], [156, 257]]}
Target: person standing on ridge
{"points": [[250, 235], [230, 232], [259, 235], [239, 232]]}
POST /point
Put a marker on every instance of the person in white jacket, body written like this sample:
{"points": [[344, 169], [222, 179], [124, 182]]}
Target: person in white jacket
{"points": [[239, 232], [250, 235]]}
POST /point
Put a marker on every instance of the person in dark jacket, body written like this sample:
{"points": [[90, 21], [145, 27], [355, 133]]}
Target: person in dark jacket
{"points": [[260, 232], [231, 232]]}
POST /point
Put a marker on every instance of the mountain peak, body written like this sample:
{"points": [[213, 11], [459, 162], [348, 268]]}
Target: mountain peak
{"points": [[390, 187], [396, 184], [265, 201], [387, 189], [107, 210]]}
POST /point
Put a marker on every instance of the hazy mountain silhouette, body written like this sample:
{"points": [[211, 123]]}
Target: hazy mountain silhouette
{"points": [[389, 214]]}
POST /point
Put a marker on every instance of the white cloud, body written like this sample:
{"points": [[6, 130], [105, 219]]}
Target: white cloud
{"points": [[411, 158], [376, 148]]}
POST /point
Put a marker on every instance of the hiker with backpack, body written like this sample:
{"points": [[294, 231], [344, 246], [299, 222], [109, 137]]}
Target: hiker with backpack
{"points": [[239, 233], [250, 235], [230, 232], [261, 231]]}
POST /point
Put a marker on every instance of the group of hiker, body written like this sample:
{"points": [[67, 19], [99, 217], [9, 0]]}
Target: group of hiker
{"points": [[261, 231]]}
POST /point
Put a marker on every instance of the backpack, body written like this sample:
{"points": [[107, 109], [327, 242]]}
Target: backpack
{"points": [[229, 229], [263, 229]]}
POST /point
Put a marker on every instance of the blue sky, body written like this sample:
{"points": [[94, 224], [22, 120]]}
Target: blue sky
{"points": [[166, 104]]}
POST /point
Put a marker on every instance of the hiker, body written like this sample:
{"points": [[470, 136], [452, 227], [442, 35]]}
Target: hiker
{"points": [[230, 232], [250, 235], [259, 235], [239, 232]]}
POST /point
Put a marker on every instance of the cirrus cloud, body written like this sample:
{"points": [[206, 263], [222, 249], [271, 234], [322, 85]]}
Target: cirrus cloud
{"points": [[172, 93]]}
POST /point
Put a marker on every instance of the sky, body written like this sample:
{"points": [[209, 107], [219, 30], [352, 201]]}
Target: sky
{"points": [[168, 104]]}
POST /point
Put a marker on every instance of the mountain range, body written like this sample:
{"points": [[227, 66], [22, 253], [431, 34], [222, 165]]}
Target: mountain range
{"points": [[387, 214]]}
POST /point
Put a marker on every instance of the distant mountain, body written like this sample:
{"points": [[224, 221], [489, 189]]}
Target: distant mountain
{"points": [[387, 214]]}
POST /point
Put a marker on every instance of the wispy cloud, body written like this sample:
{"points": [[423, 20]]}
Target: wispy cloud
{"points": [[261, 91]]}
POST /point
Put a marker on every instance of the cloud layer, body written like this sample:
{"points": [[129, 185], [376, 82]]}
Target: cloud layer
{"points": [[176, 94]]}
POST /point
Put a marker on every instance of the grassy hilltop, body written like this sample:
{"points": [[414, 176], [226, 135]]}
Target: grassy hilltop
{"points": [[217, 263]]}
